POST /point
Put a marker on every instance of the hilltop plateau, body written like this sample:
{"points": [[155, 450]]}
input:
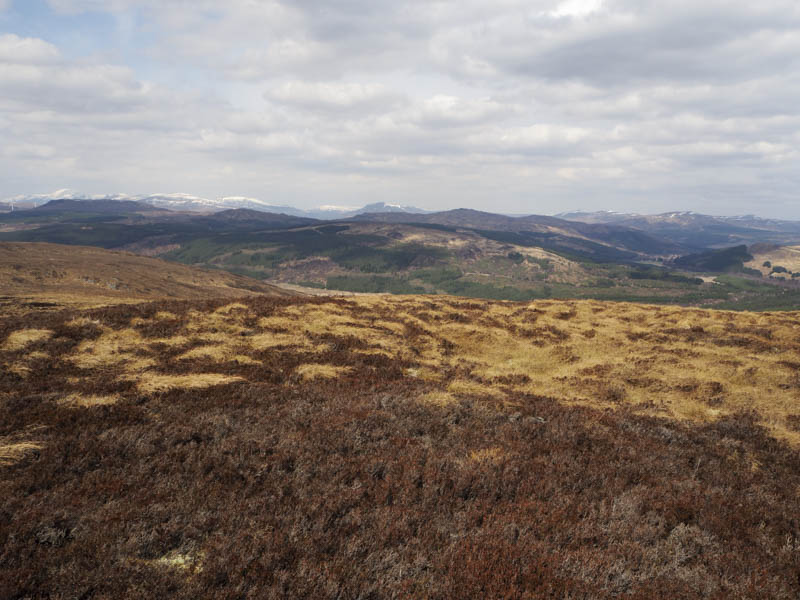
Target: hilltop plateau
{"points": [[399, 446]]}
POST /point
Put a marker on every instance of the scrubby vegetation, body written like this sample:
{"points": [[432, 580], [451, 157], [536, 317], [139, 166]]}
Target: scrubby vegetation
{"points": [[724, 259], [383, 447]]}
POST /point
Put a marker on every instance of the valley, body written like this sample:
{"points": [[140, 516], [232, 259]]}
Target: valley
{"points": [[462, 252]]}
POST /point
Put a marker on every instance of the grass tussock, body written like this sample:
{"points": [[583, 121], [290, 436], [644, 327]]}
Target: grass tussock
{"points": [[320, 371], [440, 399], [13, 449], [159, 383], [81, 401], [219, 353], [19, 340], [460, 387], [492, 455]]}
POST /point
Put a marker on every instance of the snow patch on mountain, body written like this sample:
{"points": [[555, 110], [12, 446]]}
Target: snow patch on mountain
{"points": [[189, 202]]}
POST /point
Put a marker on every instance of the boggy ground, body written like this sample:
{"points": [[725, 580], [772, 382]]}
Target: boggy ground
{"points": [[378, 447]]}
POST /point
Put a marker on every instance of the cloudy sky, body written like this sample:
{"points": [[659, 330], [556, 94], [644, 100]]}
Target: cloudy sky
{"points": [[521, 106]]}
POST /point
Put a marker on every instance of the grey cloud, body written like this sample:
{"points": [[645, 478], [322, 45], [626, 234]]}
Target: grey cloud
{"points": [[592, 104], [335, 96], [633, 41], [33, 74]]}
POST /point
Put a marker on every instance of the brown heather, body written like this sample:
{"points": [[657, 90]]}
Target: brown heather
{"points": [[399, 447]]}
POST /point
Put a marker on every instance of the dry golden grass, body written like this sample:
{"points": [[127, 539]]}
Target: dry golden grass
{"points": [[320, 371], [81, 321], [113, 347], [173, 342], [152, 382], [182, 562], [18, 368], [272, 340], [19, 340], [229, 308], [186, 564], [219, 353], [472, 388], [13, 452], [494, 455], [691, 364], [684, 363], [440, 399], [82, 401]]}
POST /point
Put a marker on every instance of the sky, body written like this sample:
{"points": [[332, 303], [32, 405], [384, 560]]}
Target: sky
{"points": [[516, 106]]}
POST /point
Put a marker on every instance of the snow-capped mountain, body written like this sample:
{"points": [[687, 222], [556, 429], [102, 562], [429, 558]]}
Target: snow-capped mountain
{"points": [[189, 202], [382, 207], [65, 194]]}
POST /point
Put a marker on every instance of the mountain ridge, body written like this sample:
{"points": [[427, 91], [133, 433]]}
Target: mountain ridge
{"points": [[697, 230], [192, 203]]}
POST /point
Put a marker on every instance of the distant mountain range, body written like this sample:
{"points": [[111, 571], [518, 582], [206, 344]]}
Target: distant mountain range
{"points": [[190, 203], [649, 258], [671, 233], [698, 231]]}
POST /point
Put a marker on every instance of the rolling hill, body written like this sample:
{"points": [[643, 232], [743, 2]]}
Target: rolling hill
{"points": [[775, 261], [460, 252], [60, 219], [115, 207], [592, 240], [43, 275]]}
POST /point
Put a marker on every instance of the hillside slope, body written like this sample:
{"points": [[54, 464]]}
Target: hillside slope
{"points": [[767, 258], [45, 273], [378, 447], [601, 241]]}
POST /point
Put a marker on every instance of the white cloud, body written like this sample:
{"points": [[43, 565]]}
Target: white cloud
{"points": [[333, 96], [535, 138], [26, 51], [577, 8], [444, 110], [28, 151]]}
